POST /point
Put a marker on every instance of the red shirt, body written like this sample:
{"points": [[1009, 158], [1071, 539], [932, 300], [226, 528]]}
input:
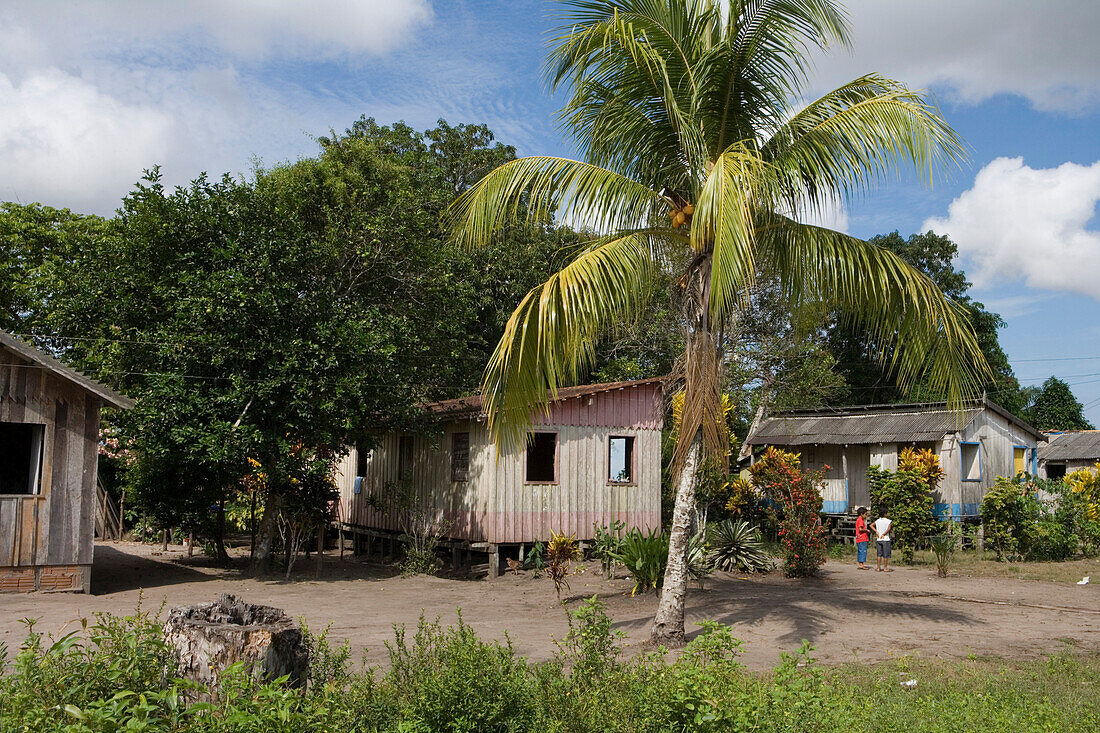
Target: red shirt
{"points": [[861, 530]]}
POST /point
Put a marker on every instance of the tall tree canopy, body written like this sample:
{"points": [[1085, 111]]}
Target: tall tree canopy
{"points": [[1054, 407], [276, 317], [698, 151]]}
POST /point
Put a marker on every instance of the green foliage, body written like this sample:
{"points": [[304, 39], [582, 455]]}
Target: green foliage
{"points": [[645, 557], [779, 476], [908, 496], [1018, 525], [111, 678], [450, 680], [607, 543], [944, 544], [536, 559], [736, 546], [1054, 407]]}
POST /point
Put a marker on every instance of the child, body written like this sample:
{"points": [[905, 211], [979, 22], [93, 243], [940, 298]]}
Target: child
{"points": [[862, 538], [883, 526]]}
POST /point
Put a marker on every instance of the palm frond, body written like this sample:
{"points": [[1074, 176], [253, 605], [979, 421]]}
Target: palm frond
{"points": [[874, 289], [534, 188], [552, 335], [856, 136]]}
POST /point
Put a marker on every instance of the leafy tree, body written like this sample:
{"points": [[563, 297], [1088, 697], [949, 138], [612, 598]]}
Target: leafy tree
{"points": [[908, 494], [697, 149], [1055, 408]]}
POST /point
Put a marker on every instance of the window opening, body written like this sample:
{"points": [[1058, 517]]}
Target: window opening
{"points": [[405, 458], [620, 459], [460, 456], [971, 461], [542, 458], [1056, 470], [20, 457]]}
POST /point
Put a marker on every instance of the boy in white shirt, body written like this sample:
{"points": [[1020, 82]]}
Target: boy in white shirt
{"points": [[883, 526]]}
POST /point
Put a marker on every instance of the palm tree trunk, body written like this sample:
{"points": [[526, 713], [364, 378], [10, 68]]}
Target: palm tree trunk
{"points": [[668, 624]]}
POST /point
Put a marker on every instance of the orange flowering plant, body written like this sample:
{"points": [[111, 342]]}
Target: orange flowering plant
{"points": [[778, 475]]}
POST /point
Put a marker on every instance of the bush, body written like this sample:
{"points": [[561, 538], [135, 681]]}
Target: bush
{"points": [[907, 495], [736, 546], [1005, 519], [645, 557], [777, 474], [606, 544]]}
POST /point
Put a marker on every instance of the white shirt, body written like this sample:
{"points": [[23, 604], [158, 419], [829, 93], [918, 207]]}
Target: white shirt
{"points": [[883, 527]]}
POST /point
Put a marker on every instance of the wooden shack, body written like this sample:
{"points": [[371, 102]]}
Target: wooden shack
{"points": [[976, 445], [1066, 452], [594, 459], [49, 440]]}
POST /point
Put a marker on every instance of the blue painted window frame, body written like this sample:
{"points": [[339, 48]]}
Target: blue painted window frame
{"points": [[962, 464]]}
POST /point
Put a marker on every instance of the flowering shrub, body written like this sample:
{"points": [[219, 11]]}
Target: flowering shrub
{"points": [[778, 475], [908, 495]]}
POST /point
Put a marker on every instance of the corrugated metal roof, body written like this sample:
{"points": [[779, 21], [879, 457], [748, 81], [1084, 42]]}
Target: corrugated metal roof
{"points": [[1080, 445], [22, 348], [909, 423], [472, 406]]}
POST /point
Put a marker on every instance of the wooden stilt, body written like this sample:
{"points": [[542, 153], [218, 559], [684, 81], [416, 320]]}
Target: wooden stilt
{"points": [[522, 551], [494, 561]]}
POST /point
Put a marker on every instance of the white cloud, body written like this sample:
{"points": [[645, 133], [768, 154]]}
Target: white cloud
{"points": [[61, 135], [92, 93], [1020, 223], [831, 214], [1044, 51]]}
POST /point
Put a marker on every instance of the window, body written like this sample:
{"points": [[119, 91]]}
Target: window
{"points": [[1019, 460], [460, 456], [1056, 470], [404, 458], [971, 461], [20, 457], [542, 458], [362, 457], [620, 459]]}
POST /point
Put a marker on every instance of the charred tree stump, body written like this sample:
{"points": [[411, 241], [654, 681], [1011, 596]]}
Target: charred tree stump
{"points": [[209, 637]]}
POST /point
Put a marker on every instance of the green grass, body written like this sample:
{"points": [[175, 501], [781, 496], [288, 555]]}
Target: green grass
{"points": [[985, 565], [1061, 692]]}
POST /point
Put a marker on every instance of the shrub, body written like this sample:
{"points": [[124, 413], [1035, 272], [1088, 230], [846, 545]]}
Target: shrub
{"points": [[908, 496], [736, 546], [944, 545], [606, 544], [561, 550], [1049, 540], [645, 557], [778, 475], [450, 680], [1005, 519]]}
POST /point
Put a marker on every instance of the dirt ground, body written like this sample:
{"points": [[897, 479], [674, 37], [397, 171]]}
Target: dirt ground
{"points": [[848, 614]]}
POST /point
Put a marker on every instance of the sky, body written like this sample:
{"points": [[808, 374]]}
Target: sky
{"points": [[94, 92]]}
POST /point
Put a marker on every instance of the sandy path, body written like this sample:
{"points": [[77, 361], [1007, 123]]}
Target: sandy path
{"points": [[848, 614]]}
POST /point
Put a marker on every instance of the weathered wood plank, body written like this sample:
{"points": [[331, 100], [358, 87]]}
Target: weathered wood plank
{"points": [[60, 519], [85, 541], [7, 531]]}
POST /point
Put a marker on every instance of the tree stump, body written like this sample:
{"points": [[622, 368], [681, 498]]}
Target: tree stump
{"points": [[209, 637]]}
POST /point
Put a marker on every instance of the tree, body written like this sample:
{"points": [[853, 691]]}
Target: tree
{"points": [[1055, 408], [697, 153]]}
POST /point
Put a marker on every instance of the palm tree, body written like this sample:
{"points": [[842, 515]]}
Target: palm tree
{"points": [[698, 151]]}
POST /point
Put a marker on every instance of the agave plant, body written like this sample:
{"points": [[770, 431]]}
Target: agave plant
{"points": [[736, 546]]}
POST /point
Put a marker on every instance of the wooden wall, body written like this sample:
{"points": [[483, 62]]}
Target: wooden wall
{"points": [[495, 505], [54, 528]]}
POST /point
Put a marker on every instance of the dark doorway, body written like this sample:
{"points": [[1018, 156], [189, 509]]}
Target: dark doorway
{"points": [[20, 457]]}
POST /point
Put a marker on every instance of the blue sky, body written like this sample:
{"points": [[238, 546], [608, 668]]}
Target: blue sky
{"points": [[93, 92]]}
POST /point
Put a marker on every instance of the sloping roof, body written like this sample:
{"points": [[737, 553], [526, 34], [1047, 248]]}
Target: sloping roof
{"points": [[25, 350], [474, 406], [1079, 445], [906, 423]]}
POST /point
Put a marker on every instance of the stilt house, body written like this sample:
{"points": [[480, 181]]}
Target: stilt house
{"points": [[49, 441], [594, 459], [976, 446]]}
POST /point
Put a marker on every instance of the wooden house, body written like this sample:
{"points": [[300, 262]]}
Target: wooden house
{"points": [[1068, 451], [595, 458], [976, 445], [49, 440]]}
